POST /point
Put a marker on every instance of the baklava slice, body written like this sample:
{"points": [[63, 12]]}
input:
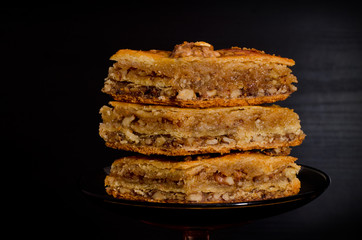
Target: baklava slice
{"points": [[196, 75], [236, 177], [165, 130]]}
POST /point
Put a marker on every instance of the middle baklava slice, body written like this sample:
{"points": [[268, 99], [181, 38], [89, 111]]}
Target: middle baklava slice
{"points": [[172, 131]]}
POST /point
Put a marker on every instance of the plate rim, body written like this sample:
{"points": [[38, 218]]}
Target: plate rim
{"points": [[208, 206]]}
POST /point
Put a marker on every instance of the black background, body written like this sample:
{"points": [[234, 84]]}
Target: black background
{"points": [[55, 60]]}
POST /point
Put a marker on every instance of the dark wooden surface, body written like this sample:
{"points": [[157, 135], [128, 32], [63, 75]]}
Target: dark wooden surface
{"points": [[59, 58]]}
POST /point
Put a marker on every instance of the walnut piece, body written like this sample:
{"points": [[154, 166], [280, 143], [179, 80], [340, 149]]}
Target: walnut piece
{"points": [[186, 94], [194, 49], [222, 179]]}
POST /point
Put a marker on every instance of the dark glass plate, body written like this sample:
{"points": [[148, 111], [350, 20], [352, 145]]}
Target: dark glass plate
{"points": [[313, 183]]}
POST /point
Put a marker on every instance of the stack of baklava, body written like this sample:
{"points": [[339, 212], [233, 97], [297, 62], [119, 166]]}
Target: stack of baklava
{"points": [[197, 121]]}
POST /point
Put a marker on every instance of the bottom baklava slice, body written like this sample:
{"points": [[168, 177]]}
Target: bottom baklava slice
{"points": [[236, 177]]}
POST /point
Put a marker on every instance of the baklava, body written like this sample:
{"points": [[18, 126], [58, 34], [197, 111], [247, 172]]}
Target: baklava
{"points": [[196, 75], [236, 177], [166, 130]]}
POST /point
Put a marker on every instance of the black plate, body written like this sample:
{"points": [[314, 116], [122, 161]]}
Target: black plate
{"points": [[313, 182]]}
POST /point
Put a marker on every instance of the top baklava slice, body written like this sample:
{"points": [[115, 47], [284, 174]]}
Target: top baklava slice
{"points": [[196, 75]]}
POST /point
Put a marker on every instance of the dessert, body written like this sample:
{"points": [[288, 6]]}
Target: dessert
{"points": [[203, 179], [198, 125], [196, 75], [150, 129]]}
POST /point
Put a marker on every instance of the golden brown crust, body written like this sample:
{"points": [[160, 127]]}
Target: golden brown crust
{"points": [[254, 161], [223, 55]]}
